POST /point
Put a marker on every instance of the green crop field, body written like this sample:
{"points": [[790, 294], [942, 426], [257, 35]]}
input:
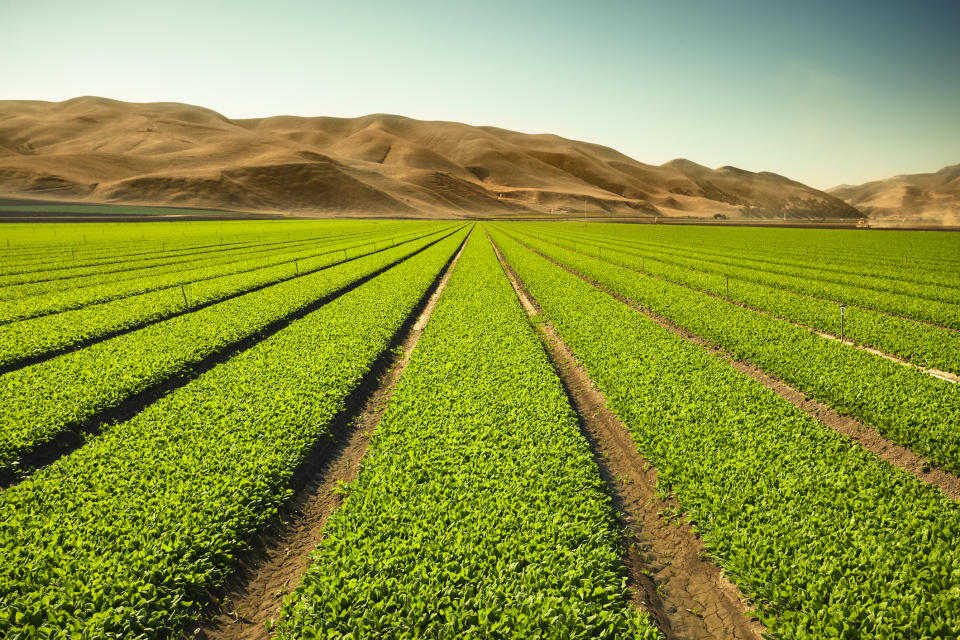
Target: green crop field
{"points": [[109, 210], [378, 429]]}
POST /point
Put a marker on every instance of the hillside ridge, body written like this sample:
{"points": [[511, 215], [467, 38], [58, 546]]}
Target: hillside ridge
{"points": [[98, 150], [931, 197]]}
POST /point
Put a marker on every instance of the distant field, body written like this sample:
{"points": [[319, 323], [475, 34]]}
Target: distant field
{"points": [[479, 429]]}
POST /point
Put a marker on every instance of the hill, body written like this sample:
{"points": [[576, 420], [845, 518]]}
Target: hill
{"points": [[98, 150], [919, 197]]}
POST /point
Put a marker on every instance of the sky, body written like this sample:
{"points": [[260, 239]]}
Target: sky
{"points": [[824, 92]]}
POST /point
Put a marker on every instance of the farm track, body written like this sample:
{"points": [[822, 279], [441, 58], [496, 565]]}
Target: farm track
{"points": [[670, 577], [865, 435], [67, 441], [279, 557], [83, 344], [936, 373]]}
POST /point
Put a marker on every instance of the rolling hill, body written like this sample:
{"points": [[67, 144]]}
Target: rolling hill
{"points": [[930, 197], [98, 150]]}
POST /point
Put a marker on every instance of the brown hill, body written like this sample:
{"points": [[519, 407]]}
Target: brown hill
{"points": [[920, 197], [98, 150]]}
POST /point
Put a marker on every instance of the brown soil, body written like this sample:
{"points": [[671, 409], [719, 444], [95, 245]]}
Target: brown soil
{"points": [[686, 594], [279, 560], [865, 435]]}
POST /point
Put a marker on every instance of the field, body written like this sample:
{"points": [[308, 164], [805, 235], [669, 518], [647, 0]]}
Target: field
{"points": [[447, 429]]}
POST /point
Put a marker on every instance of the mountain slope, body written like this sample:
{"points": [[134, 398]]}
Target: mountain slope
{"points": [[920, 196], [99, 150]]}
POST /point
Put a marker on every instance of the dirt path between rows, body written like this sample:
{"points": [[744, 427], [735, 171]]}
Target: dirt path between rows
{"points": [[936, 373], [865, 435], [274, 568], [687, 595]]}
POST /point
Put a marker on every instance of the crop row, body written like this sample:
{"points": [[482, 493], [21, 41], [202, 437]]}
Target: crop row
{"points": [[78, 247], [478, 512], [943, 310], [48, 265], [916, 342], [935, 282], [119, 539], [35, 337], [42, 400], [45, 262], [904, 404], [22, 308], [829, 541], [77, 270], [908, 256], [114, 274]]}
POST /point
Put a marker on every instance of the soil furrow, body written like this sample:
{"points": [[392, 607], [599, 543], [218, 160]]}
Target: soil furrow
{"points": [[76, 435], [687, 595], [865, 435], [936, 373], [278, 558]]}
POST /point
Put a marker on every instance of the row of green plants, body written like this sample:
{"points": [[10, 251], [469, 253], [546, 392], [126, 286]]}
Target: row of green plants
{"points": [[828, 540], [122, 538], [43, 335], [22, 307], [885, 297], [55, 245], [42, 400], [843, 268], [38, 264], [50, 281], [478, 511], [904, 404], [102, 265], [919, 343], [913, 257]]}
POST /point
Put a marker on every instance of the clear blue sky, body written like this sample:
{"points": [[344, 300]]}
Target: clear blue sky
{"points": [[823, 92]]}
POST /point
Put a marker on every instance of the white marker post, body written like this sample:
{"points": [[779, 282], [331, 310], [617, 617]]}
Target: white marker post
{"points": [[842, 309]]}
